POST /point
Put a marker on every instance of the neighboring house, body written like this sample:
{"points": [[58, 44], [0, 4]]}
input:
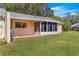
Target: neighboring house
{"points": [[75, 27], [25, 25]]}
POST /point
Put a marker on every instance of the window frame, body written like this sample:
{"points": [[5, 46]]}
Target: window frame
{"points": [[20, 25]]}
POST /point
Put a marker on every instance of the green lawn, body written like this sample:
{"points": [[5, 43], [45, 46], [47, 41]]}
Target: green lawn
{"points": [[65, 44]]}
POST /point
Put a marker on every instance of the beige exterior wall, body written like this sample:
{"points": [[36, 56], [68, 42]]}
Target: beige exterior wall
{"points": [[29, 30], [59, 28]]}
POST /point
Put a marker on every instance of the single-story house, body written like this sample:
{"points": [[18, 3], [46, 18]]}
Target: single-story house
{"points": [[75, 27], [25, 25]]}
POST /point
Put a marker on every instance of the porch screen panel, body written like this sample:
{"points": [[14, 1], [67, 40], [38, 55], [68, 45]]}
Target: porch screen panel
{"points": [[49, 26], [43, 26], [54, 26]]}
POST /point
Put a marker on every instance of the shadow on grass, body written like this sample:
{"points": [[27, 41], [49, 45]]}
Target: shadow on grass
{"points": [[3, 43]]}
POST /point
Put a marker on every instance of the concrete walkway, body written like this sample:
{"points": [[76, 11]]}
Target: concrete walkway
{"points": [[26, 36]]}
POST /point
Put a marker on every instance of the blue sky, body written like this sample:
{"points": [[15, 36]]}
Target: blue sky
{"points": [[60, 9]]}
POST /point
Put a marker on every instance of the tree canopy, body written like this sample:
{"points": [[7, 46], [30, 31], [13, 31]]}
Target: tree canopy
{"points": [[2, 5], [70, 20], [39, 9], [57, 18]]}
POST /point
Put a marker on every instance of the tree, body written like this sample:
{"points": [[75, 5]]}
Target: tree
{"points": [[70, 19], [2, 5], [67, 25], [73, 18], [37, 9], [57, 18]]}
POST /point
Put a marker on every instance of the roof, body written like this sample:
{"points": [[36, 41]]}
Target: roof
{"points": [[31, 17], [75, 25], [26, 17]]}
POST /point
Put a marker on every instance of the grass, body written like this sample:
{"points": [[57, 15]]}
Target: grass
{"points": [[65, 44]]}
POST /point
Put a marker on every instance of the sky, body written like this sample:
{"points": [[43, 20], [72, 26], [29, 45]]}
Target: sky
{"points": [[60, 9]]}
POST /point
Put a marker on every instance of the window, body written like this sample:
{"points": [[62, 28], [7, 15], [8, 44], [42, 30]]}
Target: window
{"points": [[23, 25], [17, 25], [20, 25]]}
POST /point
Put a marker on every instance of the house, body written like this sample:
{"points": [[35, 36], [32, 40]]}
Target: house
{"points": [[75, 27], [25, 25]]}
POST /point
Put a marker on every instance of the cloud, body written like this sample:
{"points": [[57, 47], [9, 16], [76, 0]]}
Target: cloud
{"points": [[73, 13], [57, 8], [61, 11]]}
